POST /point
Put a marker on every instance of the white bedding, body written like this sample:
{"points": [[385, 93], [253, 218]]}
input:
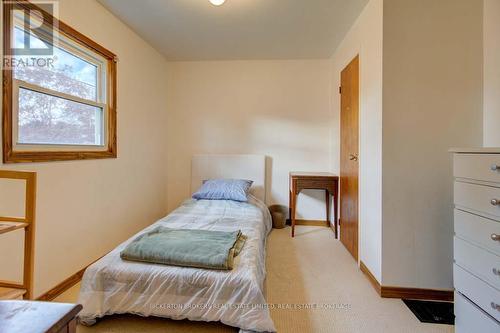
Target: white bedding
{"points": [[235, 298]]}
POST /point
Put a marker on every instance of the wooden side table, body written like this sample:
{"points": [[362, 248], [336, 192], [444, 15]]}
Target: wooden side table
{"points": [[38, 317], [315, 181]]}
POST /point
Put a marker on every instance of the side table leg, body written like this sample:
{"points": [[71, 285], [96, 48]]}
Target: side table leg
{"points": [[292, 206], [336, 209], [327, 204]]}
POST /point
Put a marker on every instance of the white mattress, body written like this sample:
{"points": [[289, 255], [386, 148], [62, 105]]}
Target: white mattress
{"points": [[236, 297]]}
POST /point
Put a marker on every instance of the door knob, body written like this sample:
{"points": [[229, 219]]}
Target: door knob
{"points": [[495, 167], [353, 157], [495, 237], [495, 202]]}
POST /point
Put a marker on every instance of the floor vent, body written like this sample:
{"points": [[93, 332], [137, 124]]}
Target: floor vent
{"points": [[432, 312]]}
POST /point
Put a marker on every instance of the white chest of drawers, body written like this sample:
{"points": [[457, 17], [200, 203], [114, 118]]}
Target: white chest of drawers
{"points": [[476, 268]]}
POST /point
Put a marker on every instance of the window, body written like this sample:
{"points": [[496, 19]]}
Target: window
{"points": [[59, 90]]}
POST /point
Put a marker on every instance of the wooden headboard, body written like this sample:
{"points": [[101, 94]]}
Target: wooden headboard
{"points": [[251, 167]]}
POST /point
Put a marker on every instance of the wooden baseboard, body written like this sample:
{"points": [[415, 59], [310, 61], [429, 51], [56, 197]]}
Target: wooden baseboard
{"points": [[417, 293], [62, 287], [407, 293], [374, 282]]}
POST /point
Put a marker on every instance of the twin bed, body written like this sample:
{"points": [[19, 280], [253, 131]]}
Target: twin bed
{"points": [[235, 297]]}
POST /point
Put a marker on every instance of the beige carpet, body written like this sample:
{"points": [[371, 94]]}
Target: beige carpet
{"points": [[312, 270]]}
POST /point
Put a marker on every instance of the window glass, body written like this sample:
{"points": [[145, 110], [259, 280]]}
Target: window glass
{"points": [[65, 73], [46, 119]]}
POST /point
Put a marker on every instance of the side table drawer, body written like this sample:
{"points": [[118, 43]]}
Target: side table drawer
{"points": [[313, 183]]}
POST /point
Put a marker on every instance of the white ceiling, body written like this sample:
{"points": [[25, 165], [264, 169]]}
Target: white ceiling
{"points": [[240, 29]]}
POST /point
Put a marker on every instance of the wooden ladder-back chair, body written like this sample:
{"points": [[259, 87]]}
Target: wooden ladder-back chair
{"points": [[10, 289]]}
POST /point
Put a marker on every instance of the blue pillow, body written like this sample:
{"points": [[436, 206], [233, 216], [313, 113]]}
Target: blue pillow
{"points": [[224, 189]]}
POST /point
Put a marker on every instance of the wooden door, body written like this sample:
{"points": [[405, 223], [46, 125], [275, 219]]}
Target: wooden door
{"points": [[349, 155]]}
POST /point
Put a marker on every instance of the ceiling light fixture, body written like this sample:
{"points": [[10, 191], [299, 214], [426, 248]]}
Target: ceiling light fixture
{"points": [[217, 2]]}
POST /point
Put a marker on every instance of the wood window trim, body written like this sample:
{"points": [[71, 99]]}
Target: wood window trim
{"points": [[12, 156]]}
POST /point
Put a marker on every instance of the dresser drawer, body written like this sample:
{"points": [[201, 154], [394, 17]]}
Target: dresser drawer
{"points": [[477, 167], [481, 293], [481, 263], [478, 198], [469, 318], [477, 230]]}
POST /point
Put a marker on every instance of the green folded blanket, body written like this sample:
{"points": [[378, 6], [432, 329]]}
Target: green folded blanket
{"points": [[186, 247]]}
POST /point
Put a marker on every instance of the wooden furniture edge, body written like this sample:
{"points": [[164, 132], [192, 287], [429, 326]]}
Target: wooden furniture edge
{"points": [[11, 284], [11, 293], [28, 225], [315, 223], [29, 234], [404, 292], [63, 322], [11, 226], [33, 316], [333, 177]]}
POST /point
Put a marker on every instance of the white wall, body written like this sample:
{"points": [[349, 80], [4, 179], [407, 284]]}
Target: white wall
{"points": [[365, 39], [86, 208], [277, 108], [432, 100], [491, 35]]}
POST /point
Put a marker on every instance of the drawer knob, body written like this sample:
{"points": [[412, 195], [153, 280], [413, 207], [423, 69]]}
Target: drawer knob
{"points": [[495, 237], [496, 271], [495, 306], [495, 202], [495, 167]]}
